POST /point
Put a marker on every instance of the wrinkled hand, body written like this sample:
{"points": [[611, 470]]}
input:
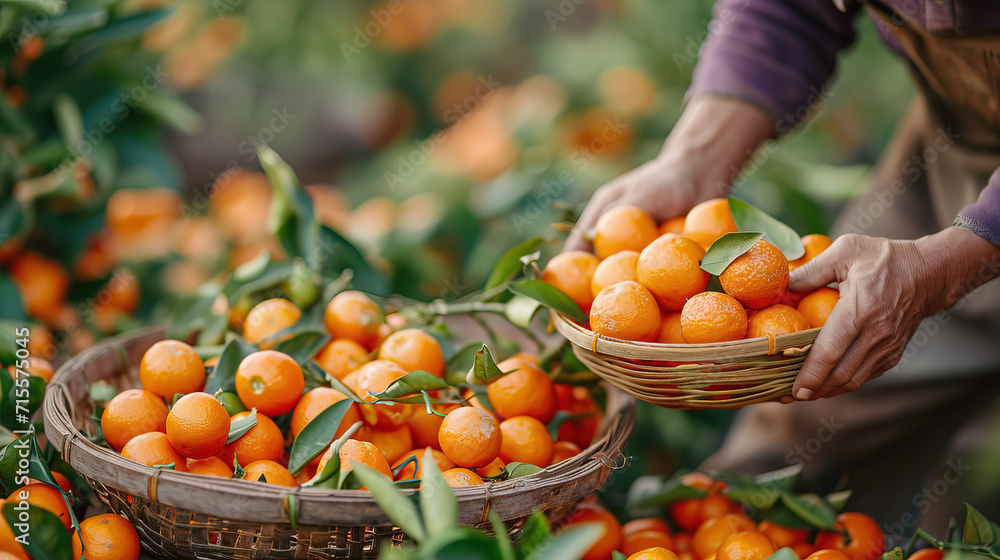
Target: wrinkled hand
{"points": [[662, 189], [887, 287]]}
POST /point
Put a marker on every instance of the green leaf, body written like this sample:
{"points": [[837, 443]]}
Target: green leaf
{"points": [[46, 539], [563, 416], [838, 500], [238, 471], [436, 498], [751, 218], [337, 254], [534, 535], [978, 529], [15, 122], [32, 387], [68, 120], [10, 300], [484, 370], [291, 200], [13, 453], [671, 491], [303, 346], [102, 391], [894, 554], [571, 543], [509, 265], [726, 249], [549, 296], [618, 556], [413, 382], [784, 554], [458, 365], [811, 508], [223, 376], [257, 275], [192, 312], [521, 309], [517, 470], [314, 369], [172, 111], [317, 435], [502, 537], [46, 7], [397, 506], [238, 428]]}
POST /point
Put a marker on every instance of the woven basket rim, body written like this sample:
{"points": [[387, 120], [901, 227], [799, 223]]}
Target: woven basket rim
{"points": [[270, 503], [736, 350]]}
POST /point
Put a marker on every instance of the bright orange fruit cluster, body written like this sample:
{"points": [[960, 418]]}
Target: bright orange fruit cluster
{"points": [[469, 441], [644, 281]]}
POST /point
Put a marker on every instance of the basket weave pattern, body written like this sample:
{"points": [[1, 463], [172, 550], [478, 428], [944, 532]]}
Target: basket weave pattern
{"points": [[725, 375], [181, 515]]}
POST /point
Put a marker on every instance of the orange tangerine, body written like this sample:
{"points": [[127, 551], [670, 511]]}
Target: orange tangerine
{"points": [[775, 320], [272, 473], [170, 367], [619, 267], [316, 401], [413, 470], [198, 426], [625, 228], [269, 317], [354, 316], [562, 450], [670, 328], [525, 440], [458, 477], [413, 349], [525, 391], [709, 221], [212, 466], [153, 449], [341, 356], [572, 272], [130, 413], [814, 244], [758, 277], [670, 268], [673, 225], [713, 317], [262, 442], [470, 437], [270, 381], [817, 306], [626, 310], [749, 545], [373, 378]]}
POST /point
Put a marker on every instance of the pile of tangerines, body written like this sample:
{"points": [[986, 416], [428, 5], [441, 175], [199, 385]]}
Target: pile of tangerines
{"points": [[644, 281], [471, 441], [715, 527]]}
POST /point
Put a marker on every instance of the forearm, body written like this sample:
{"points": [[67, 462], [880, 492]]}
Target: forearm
{"points": [[713, 139], [964, 261]]}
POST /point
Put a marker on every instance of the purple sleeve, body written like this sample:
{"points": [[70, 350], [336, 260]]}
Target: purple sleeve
{"points": [[983, 216], [776, 54]]}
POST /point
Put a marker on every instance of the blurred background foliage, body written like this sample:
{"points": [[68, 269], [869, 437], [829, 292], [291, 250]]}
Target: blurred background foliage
{"points": [[435, 134]]}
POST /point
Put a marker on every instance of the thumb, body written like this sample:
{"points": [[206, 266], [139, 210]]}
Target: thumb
{"points": [[816, 273]]}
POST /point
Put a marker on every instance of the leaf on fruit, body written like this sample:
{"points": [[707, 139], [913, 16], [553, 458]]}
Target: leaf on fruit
{"points": [[396, 505], [549, 296], [978, 529], [811, 509], [223, 376], [520, 310], [436, 498], [48, 539], [458, 365], [317, 435], [484, 370], [303, 346], [510, 263], [517, 470], [784, 554], [671, 491], [751, 218], [413, 382], [239, 428], [727, 249]]}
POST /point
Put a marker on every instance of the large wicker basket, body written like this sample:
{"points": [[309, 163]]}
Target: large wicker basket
{"points": [[180, 515], [693, 376]]}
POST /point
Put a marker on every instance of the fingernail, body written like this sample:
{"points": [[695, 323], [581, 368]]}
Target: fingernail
{"points": [[804, 394]]}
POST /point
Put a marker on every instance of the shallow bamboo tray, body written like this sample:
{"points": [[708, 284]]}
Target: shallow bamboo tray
{"points": [[181, 515], [724, 375]]}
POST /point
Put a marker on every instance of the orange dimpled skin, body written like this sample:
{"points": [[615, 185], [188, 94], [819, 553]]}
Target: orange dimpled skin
{"points": [[262, 442], [106, 537], [619, 267], [758, 277], [212, 466], [198, 425], [817, 306], [354, 451], [525, 440], [269, 317], [270, 381], [46, 497], [749, 545], [272, 472], [392, 442], [626, 310], [713, 317], [775, 320], [459, 477], [354, 316], [670, 328], [625, 228], [170, 367], [153, 449], [373, 378], [470, 437], [610, 530], [132, 412], [711, 533], [709, 221], [814, 244], [670, 268], [572, 272], [655, 553], [525, 391], [413, 349], [317, 400], [340, 357]]}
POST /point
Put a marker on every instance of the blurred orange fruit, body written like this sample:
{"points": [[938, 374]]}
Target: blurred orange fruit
{"points": [[492, 470], [748, 545], [153, 449], [655, 553], [624, 228], [713, 317], [782, 536], [170, 367], [577, 401], [817, 306], [272, 472], [130, 413], [923, 554], [758, 277], [269, 317], [610, 538], [830, 554], [866, 541], [814, 244], [198, 425], [713, 532], [525, 391], [562, 450], [646, 524], [271, 382], [775, 320], [709, 221], [637, 541], [414, 469], [626, 310], [673, 225], [525, 440], [470, 437], [340, 357], [670, 268], [425, 426], [619, 267], [354, 316], [572, 273], [240, 201], [413, 349], [360, 452]]}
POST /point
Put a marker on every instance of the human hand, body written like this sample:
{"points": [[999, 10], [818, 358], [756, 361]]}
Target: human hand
{"points": [[887, 287]]}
